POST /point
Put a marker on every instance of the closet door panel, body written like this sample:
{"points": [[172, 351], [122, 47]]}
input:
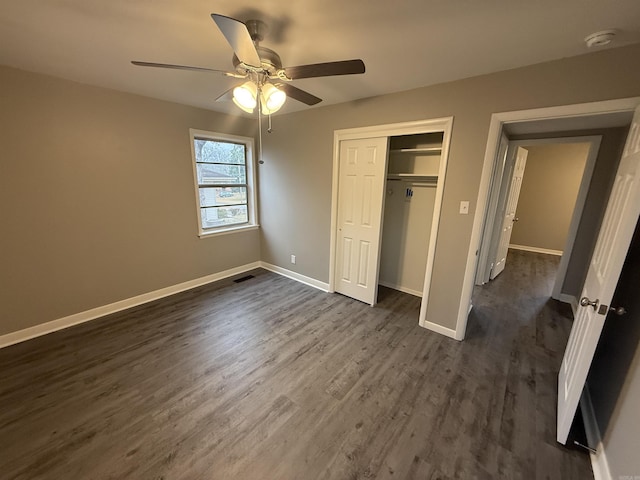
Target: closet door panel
{"points": [[360, 199]]}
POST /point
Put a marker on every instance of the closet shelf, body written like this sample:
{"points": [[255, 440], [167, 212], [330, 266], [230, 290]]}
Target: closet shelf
{"points": [[412, 176], [428, 150]]}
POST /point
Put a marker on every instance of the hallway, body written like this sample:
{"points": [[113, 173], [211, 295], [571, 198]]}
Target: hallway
{"points": [[514, 316]]}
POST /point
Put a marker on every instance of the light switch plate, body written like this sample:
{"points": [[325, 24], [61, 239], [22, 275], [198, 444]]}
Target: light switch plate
{"points": [[464, 207]]}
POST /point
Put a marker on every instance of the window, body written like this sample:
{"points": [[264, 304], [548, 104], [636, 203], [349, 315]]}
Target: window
{"points": [[223, 172]]}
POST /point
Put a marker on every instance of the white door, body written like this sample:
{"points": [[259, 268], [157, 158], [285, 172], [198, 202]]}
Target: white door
{"points": [[611, 248], [510, 212], [361, 180]]}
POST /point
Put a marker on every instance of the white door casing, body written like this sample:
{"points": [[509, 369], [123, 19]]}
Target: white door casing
{"points": [[363, 164], [618, 225], [484, 251], [510, 212]]}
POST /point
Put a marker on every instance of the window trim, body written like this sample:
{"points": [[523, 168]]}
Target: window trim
{"points": [[252, 204]]}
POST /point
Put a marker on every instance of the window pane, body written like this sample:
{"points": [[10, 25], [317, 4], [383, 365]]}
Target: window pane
{"points": [[212, 174], [223, 216], [213, 151], [213, 196]]}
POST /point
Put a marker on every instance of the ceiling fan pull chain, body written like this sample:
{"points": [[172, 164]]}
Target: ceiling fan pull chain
{"points": [[260, 161], [269, 129]]}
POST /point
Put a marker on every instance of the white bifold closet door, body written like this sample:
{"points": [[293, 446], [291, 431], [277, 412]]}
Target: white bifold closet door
{"points": [[363, 166]]}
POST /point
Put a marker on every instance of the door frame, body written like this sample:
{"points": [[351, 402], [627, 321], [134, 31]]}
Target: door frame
{"points": [[486, 243], [496, 125], [505, 192], [445, 125]]}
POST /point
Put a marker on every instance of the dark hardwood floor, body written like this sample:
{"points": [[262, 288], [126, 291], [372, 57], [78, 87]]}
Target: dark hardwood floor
{"points": [[271, 379]]}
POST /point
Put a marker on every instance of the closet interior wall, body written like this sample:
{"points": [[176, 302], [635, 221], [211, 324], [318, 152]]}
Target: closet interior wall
{"points": [[410, 196]]}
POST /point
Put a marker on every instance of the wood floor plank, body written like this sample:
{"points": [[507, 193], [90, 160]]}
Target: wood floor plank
{"points": [[272, 379]]}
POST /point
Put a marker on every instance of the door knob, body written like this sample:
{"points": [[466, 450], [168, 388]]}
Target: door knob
{"points": [[618, 310], [585, 302]]}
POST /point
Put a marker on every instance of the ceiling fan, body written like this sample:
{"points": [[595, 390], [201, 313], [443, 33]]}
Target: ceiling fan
{"points": [[267, 81]]}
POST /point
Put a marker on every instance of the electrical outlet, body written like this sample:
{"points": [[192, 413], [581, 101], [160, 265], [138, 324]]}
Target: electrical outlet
{"points": [[293, 259], [464, 207]]}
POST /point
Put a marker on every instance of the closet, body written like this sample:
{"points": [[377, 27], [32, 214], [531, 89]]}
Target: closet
{"points": [[412, 178], [388, 183]]}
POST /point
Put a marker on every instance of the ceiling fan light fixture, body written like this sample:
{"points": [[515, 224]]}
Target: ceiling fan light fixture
{"points": [[245, 95], [272, 98], [241, 107]]}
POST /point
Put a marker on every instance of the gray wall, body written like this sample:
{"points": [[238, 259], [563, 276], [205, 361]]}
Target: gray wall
{"points": [[614, 378], [97, 195], [548, 195], [296, 178], [97, 200]]}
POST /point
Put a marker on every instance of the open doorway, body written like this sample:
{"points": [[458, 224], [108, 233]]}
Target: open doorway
{"points": [[603, 262], [547, 122], [540, 199]]}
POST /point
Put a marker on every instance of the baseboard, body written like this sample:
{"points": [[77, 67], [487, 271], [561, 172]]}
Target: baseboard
{"points": [[434, 327], [599, 462], [77, 318], [526, 248], [312, 282], [402, 289]]}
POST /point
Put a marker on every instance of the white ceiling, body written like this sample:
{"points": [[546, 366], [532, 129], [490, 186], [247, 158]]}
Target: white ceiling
{"points": [[405, 44]]}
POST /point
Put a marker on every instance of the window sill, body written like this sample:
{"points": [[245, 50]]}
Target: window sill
{"points": [[226, 231]]}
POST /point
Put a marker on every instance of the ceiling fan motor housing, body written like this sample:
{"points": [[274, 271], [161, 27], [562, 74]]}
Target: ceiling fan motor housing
{"points": [[270, 62]]}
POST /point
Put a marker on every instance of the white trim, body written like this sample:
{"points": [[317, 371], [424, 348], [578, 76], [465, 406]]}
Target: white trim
{"points": [[217, 233], [599, 463], [493, 140], [312, 282], [402, 289], [393, 129], [527, 248], [483, 270], [434, 327], [443, 125], [87, 315], [447, 125], [252, 198]]}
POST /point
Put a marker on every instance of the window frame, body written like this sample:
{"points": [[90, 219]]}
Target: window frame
{"points": [[252, 210]]}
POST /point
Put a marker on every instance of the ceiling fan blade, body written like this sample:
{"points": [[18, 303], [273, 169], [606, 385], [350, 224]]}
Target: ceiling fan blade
{"points": [[300, 95], [178, 67], [239, 38], [225, 96], [344, 67]]}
